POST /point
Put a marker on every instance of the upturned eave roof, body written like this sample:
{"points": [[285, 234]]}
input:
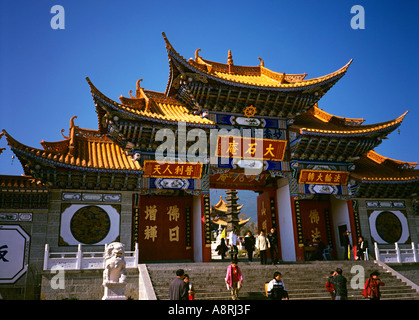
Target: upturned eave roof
{"points": [[84, 149], [375, 168], [252, 77], [147, 105], [318, 122]]}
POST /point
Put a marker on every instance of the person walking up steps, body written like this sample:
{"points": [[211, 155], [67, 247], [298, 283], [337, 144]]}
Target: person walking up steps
{"points": [[234, 279]]}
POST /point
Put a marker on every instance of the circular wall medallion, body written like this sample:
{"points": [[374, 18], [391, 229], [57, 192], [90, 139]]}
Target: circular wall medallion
{"points": [[90, 224], [388, 226]]}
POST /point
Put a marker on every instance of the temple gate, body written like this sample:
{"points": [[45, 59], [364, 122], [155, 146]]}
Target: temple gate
{"points": [[217, 125]]}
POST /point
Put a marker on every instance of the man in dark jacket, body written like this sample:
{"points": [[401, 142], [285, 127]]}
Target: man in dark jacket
{"points": [[249, 244], [339, 281], [273, 240], [178, 289]]}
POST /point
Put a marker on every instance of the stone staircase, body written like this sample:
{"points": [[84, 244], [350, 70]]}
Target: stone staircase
{"points": [[304, 281]]}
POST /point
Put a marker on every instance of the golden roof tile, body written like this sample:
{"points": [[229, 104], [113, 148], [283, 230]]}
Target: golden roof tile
{"points": [[91, 150], [153, 106], [258, 76], [319, 122], [374, 167]]}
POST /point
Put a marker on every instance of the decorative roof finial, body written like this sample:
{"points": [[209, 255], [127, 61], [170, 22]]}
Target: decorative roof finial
{"points": [[230, 58], [72, 121], [197, 54], [262, 64], [138, 91]]}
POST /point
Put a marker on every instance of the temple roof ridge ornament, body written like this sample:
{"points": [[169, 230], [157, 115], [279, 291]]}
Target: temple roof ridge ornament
{"points": [[258, 76]]}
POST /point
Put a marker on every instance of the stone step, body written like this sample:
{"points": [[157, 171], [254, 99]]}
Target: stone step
{"points": [[304, 281]]}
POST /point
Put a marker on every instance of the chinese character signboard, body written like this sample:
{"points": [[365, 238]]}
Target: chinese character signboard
{"points": [[232, 179], [250, 148], [164, 228], [323, 177], [315, 222], [183, 170]]}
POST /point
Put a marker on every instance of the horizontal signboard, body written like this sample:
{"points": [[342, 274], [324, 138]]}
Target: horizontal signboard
{"points": [[250, 148], [186, 170], [323, 177]]}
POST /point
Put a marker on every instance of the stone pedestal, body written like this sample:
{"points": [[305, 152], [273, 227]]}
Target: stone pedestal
{"points": [[114, 291]]}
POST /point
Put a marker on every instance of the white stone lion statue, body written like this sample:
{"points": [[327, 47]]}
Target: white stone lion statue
{"points": [[114, 263]]}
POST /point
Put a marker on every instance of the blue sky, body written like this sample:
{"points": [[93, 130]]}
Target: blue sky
{"points": [[114, 43]]}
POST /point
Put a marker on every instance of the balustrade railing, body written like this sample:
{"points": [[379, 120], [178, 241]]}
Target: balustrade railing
{"points": [[397, 254], [83, 260]]}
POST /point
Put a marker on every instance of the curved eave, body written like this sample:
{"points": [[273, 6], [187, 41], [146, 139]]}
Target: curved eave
{"points": [[394, 180], [327, 117], [106, 104], [383, 128], [24, 182], [297, 86], [52, 159], [224, 223]]}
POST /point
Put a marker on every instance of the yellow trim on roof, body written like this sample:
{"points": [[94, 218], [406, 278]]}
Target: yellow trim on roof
{"points": [[373, 128], [378, 158]]}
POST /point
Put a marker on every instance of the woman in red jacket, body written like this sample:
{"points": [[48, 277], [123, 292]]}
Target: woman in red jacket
{"points": [[372, 287]]}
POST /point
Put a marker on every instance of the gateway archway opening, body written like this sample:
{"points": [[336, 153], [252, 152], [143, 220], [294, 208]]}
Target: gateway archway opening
{"points": [[246, 219]]}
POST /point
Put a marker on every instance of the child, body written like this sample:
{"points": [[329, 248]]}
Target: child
{"points": [[191, 290], [276, 288]]}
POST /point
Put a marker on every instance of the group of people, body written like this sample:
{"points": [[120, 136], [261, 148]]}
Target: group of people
{"points": [[182, 289], [361, 248], [261, 243], [336, 285]]}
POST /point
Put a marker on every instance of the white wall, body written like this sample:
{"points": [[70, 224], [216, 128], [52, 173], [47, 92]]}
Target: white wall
{"points": [[197, 229], [340, 216], [286, 227]]}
